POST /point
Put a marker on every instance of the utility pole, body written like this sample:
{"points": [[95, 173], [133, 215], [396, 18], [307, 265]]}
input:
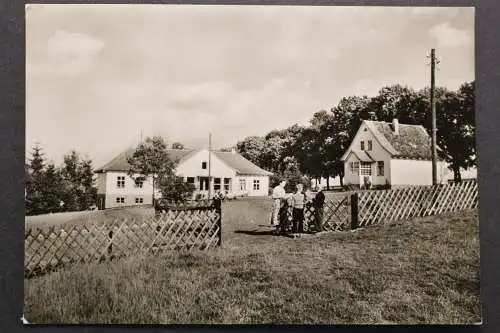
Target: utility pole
{"points": [[433, 110], [209, 165]]}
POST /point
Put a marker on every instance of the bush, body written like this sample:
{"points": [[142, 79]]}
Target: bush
{"points": [[174, 189]]}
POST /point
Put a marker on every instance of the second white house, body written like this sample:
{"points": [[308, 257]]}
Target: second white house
{"points": [[393, 154], [230, 173]]}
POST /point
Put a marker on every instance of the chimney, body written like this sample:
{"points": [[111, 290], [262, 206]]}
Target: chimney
{"points": [[395, 126]]}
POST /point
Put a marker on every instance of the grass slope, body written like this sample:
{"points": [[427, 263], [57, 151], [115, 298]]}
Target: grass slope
{"points": [[422, 271]]}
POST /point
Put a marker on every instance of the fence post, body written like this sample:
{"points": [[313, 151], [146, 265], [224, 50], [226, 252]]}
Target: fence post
{"points": [[110, 246], [354, 211], [218, 210]]}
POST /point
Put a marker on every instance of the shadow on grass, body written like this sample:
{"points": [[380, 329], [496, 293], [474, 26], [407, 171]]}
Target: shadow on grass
{"points": [[257, 232], [263, 233]]}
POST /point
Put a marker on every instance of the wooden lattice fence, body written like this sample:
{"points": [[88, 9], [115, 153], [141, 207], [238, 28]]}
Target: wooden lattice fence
{"points": [[377, 207], [336, 214], [46, 249]]}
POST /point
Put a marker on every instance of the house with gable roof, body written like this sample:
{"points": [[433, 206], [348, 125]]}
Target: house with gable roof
{"points": [[394, 154], [230, 173]]}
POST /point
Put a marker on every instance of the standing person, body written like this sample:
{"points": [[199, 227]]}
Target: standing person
{"points": [[278, 195], [283, 214], [308, 221], [298, 200], [217, 201], [318, 203]]}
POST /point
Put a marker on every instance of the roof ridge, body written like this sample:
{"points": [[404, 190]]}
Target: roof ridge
{"points": [[123, 152], [390, 122], [388, 146]]}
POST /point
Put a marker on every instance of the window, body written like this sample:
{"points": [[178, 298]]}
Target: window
{"points": [[362, 145], [139, 200], [366, 169], [190, 180], [120, 181], [120, 200], [256, 184], [216, 184], [243, 185], [380, 168], [203, 165], [369, 144], [354, 167], [227, 184], [139, 183]]}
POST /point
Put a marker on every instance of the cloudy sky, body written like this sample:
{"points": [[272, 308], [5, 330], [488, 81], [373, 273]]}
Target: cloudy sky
{"points": [[99, 74]]}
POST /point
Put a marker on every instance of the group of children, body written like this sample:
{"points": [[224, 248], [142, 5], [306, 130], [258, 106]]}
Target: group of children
{"points": [[298, 200]]}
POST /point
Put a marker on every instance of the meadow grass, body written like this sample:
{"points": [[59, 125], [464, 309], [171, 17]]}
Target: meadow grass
{"points": [[419, 271]]}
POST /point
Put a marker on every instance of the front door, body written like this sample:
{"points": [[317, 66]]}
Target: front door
{"points": [[203, 183]]}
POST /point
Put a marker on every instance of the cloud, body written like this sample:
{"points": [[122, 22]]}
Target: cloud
{"points": [[182, 71], [73, 52], [448, 36]]}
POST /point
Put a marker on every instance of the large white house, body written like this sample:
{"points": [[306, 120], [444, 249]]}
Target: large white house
{"points": [[229, 171], [393, 154]]}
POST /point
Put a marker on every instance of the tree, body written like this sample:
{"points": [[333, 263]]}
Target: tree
{"points": [[177, 145], [292, 175], [34, 173], [394, 101], [272, 152], [252, 148], [53, 190], [78, 182], [88, 193], [308, 152], [456, 129], [151, 159], [71, 176], [323, 123]]}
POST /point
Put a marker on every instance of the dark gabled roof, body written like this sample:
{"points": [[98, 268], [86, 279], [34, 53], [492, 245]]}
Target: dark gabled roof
{"points": [[240, 164], [362, 155], [412, 141], [119, 163]]}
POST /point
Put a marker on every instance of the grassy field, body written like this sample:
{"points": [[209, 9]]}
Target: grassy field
{"points": [[62, 220], [421, 271]]}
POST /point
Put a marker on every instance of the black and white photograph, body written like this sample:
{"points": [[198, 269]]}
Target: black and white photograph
{"points": [[264, 164]]}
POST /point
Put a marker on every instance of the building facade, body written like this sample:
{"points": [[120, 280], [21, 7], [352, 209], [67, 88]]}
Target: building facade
{"points": [[229, 173], [391, 154]]}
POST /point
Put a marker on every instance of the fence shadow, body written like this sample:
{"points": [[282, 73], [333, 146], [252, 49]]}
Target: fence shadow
{"points": [[257, 232]]}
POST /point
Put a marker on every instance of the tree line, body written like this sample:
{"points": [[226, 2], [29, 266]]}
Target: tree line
{"points": [[50, 188], [309, 152]]}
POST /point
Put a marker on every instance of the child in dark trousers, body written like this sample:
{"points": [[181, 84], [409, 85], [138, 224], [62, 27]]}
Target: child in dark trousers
{"points": [[283, 216], [318, 203]]}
